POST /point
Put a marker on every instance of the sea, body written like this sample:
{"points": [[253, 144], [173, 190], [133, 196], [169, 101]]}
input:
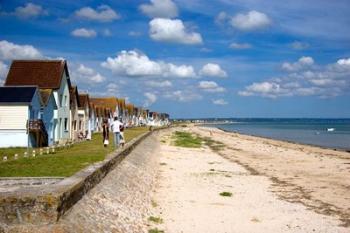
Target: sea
{"points": [[327, 133]]}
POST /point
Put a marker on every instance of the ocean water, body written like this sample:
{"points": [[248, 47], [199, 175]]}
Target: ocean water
{"points": [[329, 133]]}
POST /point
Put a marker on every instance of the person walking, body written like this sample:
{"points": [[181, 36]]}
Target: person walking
{"points": [[105, 128], [116, 131], [122, 139]]}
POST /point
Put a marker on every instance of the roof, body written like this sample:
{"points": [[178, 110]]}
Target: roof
{"points": [[74, 94], [84, 100], [46, 74], [108, 102], [45, 96], [14, 94]]}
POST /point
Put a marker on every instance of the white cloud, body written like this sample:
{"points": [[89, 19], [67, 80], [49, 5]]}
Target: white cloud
{"points": [[173, 31], [86, 74], [302, 63], [183, 96], [106, 32], [102, 14], [182, 71], [136, 64], [303, 78], [297, 45], [150, 99], [251, 21], [83, 32], [222, 17], [210, 86], [11, 51], [159, 84], [134, 33], [344, 62], [3, 72], [266, 89], [212, 70], [240, 46], [220, 102], [160, 9], [30, 10]]}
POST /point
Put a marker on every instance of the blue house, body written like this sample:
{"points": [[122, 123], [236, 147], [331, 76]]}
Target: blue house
{"points": [[20, 123], [48, 107]]}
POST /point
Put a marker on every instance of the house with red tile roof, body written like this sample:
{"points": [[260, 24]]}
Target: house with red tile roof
{"points": [[84, 119], [20, 123], [74, 114], [47, 74]]}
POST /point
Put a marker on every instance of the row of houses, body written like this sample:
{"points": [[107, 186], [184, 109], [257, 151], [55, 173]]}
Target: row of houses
{"points": [[39, 106]]}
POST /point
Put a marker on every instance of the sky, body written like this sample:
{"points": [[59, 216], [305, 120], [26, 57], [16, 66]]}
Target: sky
{"points": [[193, 58]]}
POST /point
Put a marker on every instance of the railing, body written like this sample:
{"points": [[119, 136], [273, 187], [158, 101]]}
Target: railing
{"points": [[37, 126]]}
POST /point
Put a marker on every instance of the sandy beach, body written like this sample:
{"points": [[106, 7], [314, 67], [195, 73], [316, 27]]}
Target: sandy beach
{"points": [[248, 184], [276, 186]]}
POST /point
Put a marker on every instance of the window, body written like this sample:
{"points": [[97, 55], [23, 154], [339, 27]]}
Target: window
{"points": [[61, 100], [65, 101], [65, 124]]}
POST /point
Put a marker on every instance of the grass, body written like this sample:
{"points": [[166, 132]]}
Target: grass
{"points": [[214, 145], [185, 139], [226, 194], [155, 230], [157, 220], [63, 163], [154, 204]]}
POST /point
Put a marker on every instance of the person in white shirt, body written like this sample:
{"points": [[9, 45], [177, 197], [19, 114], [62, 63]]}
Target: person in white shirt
{"points": [[116, 131]]}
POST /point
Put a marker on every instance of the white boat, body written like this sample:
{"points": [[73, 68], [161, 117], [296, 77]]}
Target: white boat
{"points": [[330, 129]]}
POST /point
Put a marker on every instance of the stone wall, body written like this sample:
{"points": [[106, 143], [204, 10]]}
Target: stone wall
{"points": [[47, 203]]}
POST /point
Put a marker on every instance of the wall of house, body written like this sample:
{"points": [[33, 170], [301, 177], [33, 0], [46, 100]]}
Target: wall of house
{"points": [[13, 120], [62, 113], [13, 123], [49, 121], [81, 123], [74, 117]]}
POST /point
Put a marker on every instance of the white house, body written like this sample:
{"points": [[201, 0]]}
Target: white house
{"points": [[20, 125], [74, 112], [84, 113], [47, 74]]}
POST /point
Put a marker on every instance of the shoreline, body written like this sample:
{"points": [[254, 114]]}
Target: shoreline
{"points": [[305, 174], [249, 184], [277, 140]]}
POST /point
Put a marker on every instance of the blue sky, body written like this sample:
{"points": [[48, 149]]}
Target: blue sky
{"points": [[193, 58]]}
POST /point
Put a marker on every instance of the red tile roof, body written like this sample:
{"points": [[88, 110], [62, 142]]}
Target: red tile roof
{"points": [[46, 74], [107, 102], [84, 100]]}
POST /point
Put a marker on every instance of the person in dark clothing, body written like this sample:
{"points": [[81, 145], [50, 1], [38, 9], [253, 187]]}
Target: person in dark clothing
{"points": [[105, 128]]}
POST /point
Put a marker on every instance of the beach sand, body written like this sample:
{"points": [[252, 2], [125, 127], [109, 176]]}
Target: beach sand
{"points": [[276, 186]]}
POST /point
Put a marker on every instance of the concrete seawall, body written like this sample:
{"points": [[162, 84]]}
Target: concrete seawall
{"points": [[48, 203]]}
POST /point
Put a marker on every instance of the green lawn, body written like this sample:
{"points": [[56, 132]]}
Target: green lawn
{"points": [[64, 162]]}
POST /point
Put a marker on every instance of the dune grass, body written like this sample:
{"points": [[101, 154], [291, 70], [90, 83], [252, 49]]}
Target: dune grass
{"points": [[157, 220], [226, 194], [185, 139], [63, 163]]}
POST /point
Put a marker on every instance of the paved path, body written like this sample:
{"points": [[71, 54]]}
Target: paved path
{"points": [[121, 202]]}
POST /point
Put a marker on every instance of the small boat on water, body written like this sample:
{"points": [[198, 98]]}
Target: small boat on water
{"points": [[330, 129]]}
